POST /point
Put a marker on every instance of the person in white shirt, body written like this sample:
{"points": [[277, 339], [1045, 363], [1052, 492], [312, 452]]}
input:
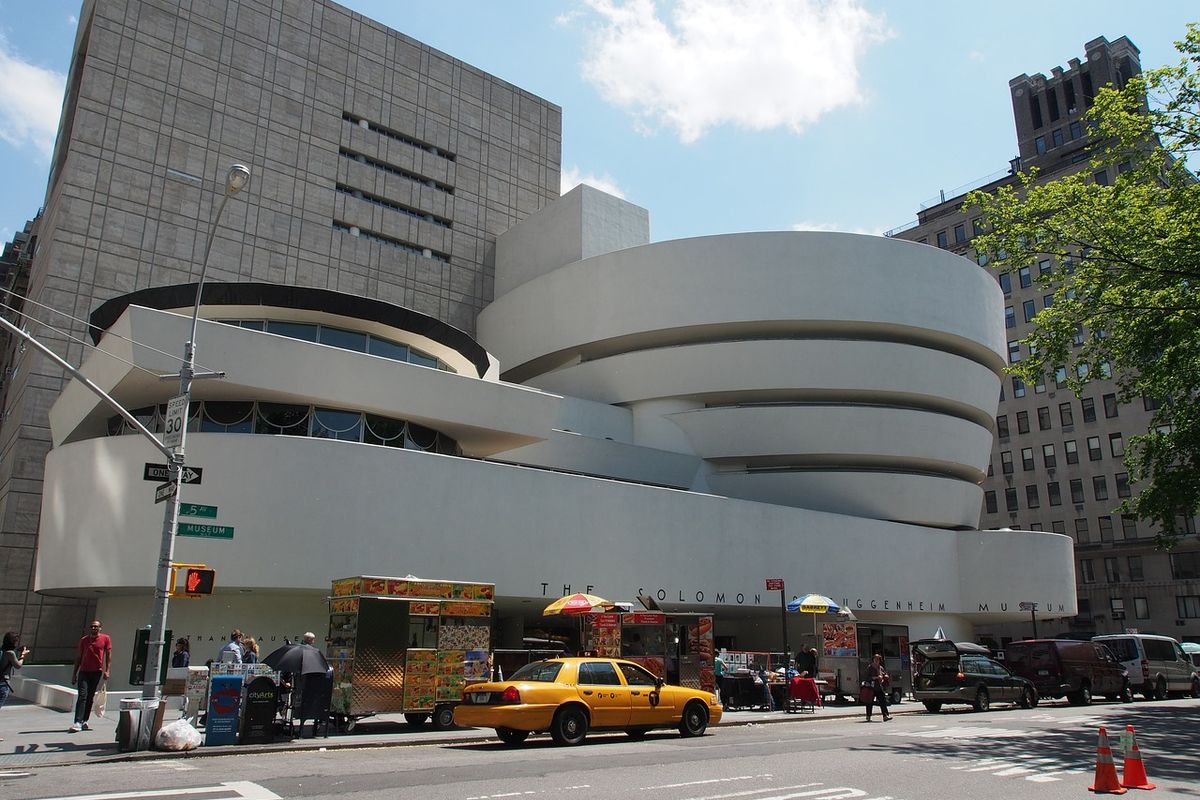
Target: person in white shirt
{"points": [[234, 646]]}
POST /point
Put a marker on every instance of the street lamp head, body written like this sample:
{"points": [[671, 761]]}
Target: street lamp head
{"points": [[237, 179]]}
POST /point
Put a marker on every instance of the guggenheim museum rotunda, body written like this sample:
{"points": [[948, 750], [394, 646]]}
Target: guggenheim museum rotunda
{"points": [[676, 421]]}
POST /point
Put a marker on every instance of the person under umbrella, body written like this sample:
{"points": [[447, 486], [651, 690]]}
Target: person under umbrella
{"points": [[309, 663]]}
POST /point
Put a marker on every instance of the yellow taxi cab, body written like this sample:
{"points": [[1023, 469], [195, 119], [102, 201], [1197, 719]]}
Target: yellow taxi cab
{"points": [[570, 696]]}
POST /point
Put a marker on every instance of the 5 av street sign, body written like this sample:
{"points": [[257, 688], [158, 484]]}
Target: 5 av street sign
{"points": [[197, 510], [158, 473]]}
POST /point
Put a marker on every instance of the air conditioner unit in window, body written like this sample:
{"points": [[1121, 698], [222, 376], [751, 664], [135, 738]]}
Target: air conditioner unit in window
{"points": [[1179, 623], [1118, 615]]}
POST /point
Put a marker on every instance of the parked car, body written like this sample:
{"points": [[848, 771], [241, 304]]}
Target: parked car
{"points": [[962, 673], [570, 696], [1071, 669], [1157, 664]]}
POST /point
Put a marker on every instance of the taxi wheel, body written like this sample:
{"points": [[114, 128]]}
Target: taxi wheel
{"points": [[570, 726], [695, 719], [509, 736]]}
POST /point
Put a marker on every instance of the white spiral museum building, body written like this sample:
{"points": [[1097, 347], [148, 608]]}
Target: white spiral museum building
{"points": [[677, 420]]}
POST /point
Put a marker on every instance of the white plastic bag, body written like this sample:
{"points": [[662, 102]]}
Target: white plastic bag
{"points": [[177, 735], [101, 699]]}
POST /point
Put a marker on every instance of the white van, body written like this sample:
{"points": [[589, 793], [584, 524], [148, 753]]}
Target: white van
{"points": [[1157, 664]]}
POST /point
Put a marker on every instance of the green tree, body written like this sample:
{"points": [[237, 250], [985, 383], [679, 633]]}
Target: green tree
{"points": [[1125, 273]]}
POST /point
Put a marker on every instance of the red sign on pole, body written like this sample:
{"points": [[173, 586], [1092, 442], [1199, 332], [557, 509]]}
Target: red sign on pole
{"points": [[774, 584]]}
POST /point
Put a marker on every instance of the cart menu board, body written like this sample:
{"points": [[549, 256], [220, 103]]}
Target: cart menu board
{"points": [[420, 679], [841, 639], [343, 605], [347, 586], [413, 587], [466, 609], [450, 677], [606, 635]]}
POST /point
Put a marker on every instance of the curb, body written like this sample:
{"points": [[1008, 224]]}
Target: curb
{"points": [[461, 735]]}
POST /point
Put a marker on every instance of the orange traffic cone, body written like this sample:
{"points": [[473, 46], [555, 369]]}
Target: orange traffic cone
{"points": [[1106, 771], [1135, 770]]}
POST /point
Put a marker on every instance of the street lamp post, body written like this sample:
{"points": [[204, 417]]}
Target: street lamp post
{"points": [[236, 180]]}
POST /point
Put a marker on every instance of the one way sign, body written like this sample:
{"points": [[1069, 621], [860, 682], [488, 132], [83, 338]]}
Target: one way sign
{"points": [[158, 473]]}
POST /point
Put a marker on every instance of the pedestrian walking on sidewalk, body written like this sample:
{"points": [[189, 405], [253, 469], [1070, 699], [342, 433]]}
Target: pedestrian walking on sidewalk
{"points": [[93, 660], [719, 674], [878, 682], [12, 657]]}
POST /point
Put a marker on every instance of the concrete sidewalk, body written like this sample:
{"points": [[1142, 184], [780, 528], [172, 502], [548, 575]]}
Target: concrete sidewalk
{"points": [[35, 736]]}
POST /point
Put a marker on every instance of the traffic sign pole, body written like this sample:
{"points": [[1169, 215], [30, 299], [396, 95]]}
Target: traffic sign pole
{"points": [[777, 583], [1032, 609], [237, 179]]}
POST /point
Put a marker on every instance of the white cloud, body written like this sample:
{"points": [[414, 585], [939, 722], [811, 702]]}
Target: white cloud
{"points": [[30, 102], [572, 177], [72, 20], [809, 225], [756, 64]]}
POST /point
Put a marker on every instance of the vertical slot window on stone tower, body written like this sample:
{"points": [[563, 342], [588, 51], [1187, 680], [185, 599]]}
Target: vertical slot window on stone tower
{"points": [[1035, 111]]}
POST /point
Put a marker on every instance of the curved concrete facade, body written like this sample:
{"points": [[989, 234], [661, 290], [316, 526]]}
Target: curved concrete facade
{"points": [[808, 369], [696, 438]]}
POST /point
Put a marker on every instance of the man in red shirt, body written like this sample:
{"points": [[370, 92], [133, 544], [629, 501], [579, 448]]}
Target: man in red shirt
{"points": [[92, 663]]}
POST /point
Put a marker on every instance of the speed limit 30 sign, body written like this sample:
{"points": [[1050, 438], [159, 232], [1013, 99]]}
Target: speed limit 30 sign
{"points": [[174, 420]]}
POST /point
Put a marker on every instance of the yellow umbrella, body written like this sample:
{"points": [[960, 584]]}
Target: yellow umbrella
{"points": [[578, 603]]}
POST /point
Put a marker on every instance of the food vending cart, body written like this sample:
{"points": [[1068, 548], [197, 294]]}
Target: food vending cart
{"points": [[676, 647], [406, 645], [846, 650]]}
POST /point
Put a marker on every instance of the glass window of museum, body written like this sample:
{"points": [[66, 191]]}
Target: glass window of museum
{"points": [[287, 419]]}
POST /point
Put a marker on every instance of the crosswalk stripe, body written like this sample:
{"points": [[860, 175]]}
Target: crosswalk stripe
{"points": [[243, 790]]}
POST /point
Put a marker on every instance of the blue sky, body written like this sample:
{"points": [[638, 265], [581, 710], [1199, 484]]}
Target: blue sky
{"points": [[716, 115]]}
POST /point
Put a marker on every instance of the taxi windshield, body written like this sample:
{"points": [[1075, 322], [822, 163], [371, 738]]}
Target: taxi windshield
{"points": [[541, 671]]}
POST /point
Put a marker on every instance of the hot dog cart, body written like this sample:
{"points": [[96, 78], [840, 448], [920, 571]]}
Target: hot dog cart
{"points": [[677, 647], [406, 645]]}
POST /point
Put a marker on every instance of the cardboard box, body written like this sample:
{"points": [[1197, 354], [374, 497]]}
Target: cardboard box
{"points": [[176, 681]]}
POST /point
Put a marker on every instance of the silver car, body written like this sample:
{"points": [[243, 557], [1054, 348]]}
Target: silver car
{"points": [[1157, 665]]}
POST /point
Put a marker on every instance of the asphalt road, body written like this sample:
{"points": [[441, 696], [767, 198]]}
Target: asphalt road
{"points": [[1046, 753]]}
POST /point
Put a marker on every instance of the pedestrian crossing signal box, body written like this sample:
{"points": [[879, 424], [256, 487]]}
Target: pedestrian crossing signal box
{"points": [[196, 580]]}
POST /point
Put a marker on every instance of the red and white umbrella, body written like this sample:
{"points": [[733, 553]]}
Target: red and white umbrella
{"points": [[578, 603]]}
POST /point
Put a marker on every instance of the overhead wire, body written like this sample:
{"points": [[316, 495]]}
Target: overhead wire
{"points": [[90, 327], [68, 335]]}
